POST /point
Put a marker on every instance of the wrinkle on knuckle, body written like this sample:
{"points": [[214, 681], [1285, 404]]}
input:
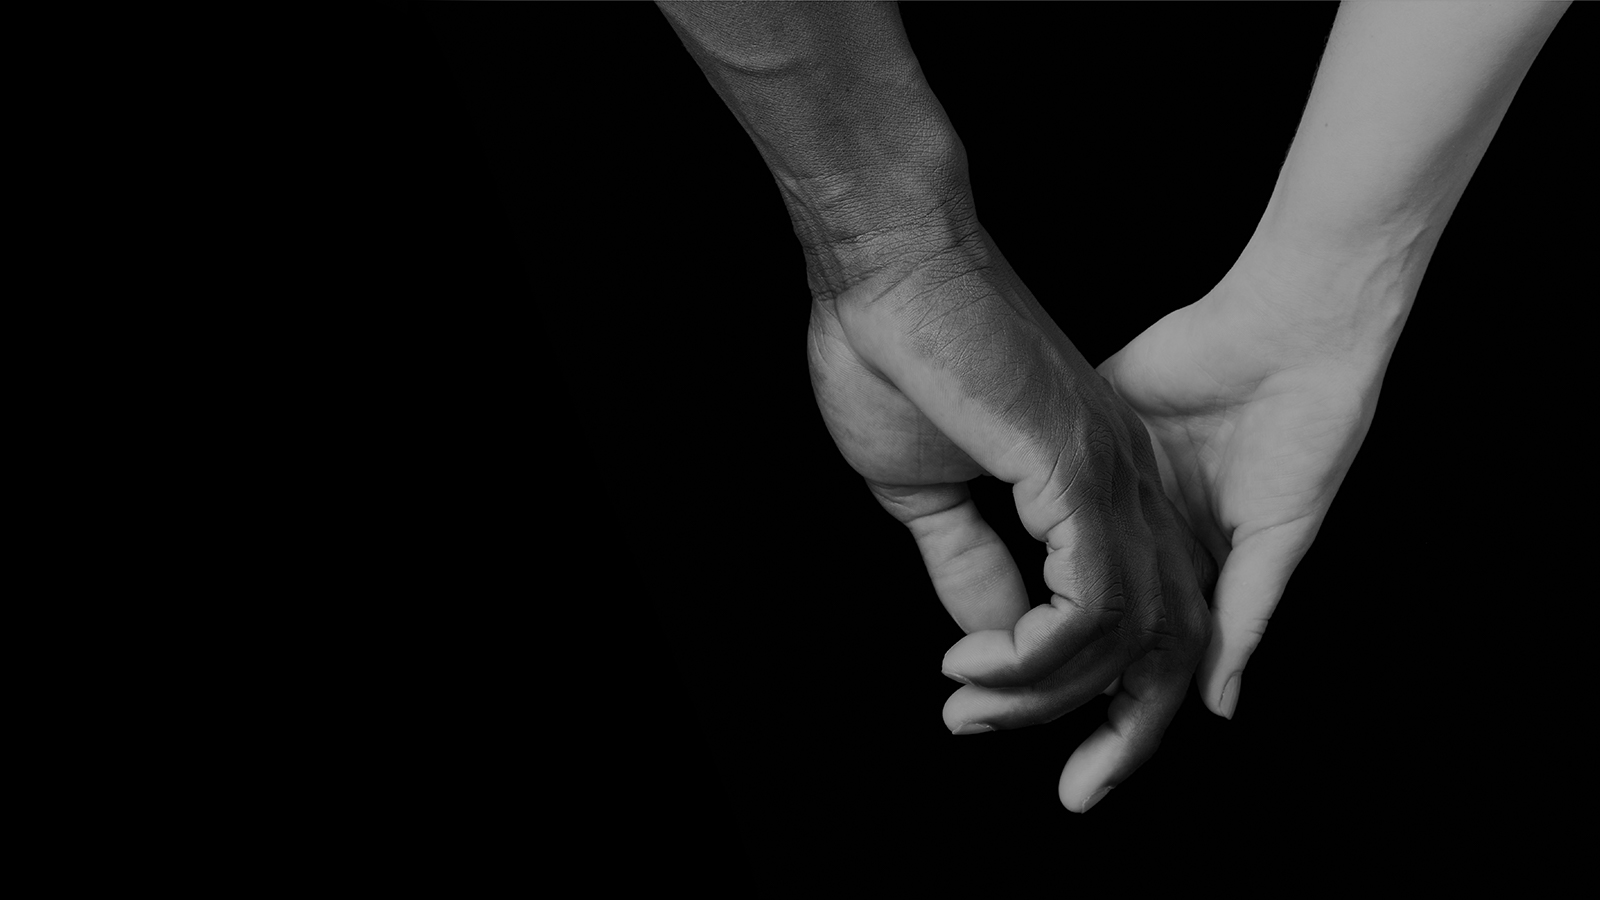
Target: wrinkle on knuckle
{"points": [[1093, 481], [1092, 570], [1106, 604], [1158, 630], [1060, 480], [1183, 631]]}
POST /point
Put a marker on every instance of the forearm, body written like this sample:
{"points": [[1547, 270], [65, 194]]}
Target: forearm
{"points": [[835, 101], [1406, 101]]}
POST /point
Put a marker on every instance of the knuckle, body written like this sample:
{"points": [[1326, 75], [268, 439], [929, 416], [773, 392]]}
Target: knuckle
{"points": [[1174, 620], [1156, 631], [1190, 625], [1085, 463], [1099, 589], [1105, 607]]}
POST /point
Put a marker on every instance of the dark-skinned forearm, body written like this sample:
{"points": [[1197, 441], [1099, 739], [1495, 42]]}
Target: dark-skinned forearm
{"points": [[867, 161]]}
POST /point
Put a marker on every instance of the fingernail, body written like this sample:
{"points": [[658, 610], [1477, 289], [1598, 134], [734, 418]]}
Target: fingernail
{"points": [[1230, 695], [973, 728], [954, 677], [1096, 797]]}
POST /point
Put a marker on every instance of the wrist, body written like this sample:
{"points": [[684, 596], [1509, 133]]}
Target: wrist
{"points": [[865, 157], [1349, 302], [870, 223]]}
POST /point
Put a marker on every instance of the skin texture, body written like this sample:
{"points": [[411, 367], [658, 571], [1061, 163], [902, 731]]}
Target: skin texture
{"points": [[1258, 396], [952, 370], [1255, 426], [1203, 455], [933, 364]]}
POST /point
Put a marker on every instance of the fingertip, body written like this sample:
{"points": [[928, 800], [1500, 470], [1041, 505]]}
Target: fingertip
{"points": [[1222, 667], [961, 708], [1229, 699], [1096, 797], [1088, 769], [1079, 801], [976, 653], [1222, 701]]}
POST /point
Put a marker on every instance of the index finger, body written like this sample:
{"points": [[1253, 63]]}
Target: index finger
{"points": [[972, 571], [1090, 574]]}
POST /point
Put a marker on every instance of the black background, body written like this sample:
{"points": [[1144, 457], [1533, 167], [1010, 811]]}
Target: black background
{"points": [[585, 311]]}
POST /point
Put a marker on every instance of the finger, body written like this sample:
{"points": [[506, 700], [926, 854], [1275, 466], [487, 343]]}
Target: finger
{"points": [[1089, 574], [974, 707], [1248, 590], [1152, 692], [1042, 641], [972, 571], [1113, 687], [1152, 689], [995, 376]]}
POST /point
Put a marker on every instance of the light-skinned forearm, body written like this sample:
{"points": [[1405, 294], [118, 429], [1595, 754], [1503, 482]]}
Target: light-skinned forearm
{"points": [[1406, 101], [835, 101]]}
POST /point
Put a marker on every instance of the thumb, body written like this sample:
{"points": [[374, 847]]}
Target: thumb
{"points": [[1248, 590]]}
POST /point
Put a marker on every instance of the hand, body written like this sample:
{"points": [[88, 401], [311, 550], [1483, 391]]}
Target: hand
{"points": [[1257, 398], [939, 367]]}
